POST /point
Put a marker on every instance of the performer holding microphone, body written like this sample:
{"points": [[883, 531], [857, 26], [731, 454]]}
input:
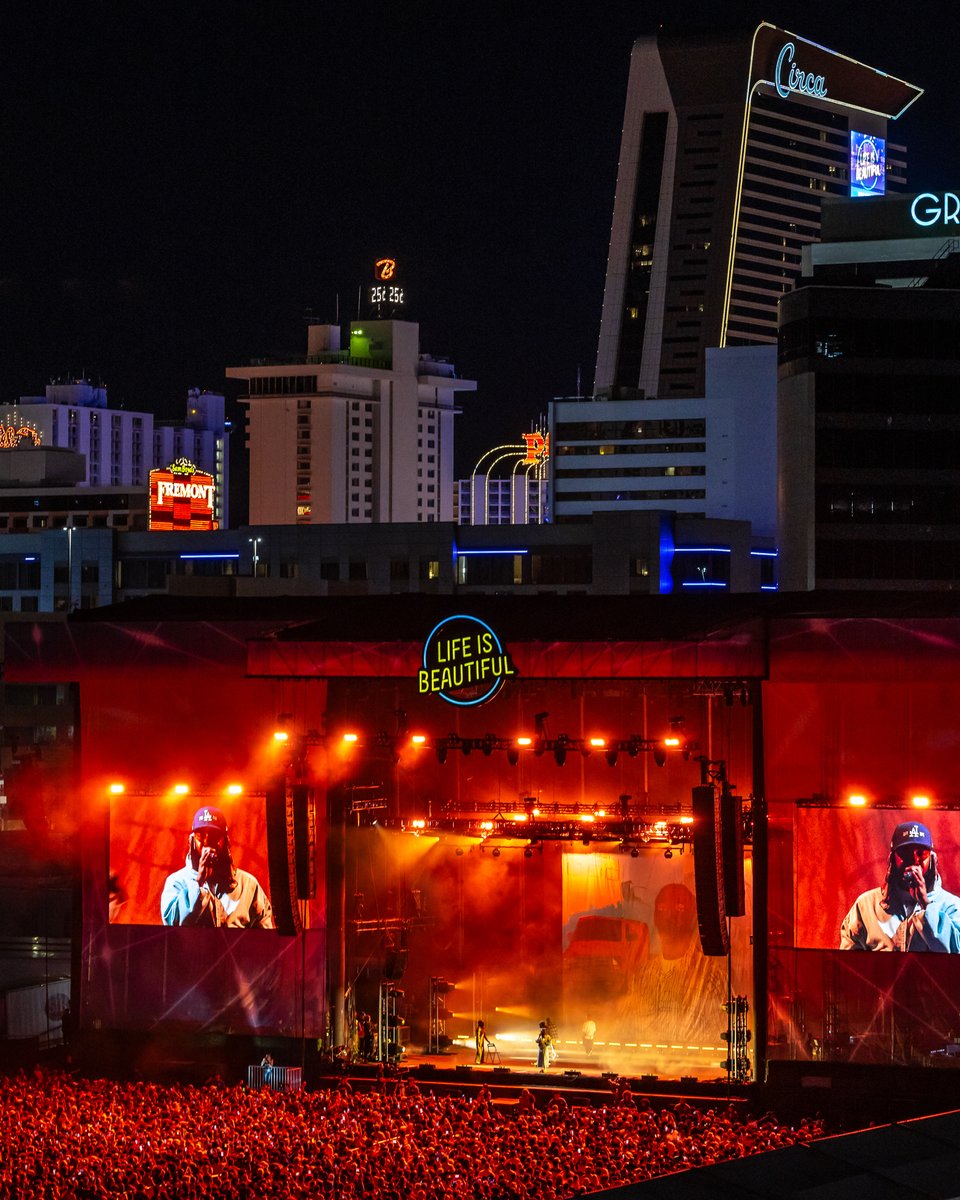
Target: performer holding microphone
{"points": [[209, 889], [911, 910]]}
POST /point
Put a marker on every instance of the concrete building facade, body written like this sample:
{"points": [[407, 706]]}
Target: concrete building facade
{"points": [[119, 447], [361, 435]]}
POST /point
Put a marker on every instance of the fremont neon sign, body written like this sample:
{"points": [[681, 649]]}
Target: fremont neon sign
{"points": [[464, 662], [181, 497], [796, 79]]}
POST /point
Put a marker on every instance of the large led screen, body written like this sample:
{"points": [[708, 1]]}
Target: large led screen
{"points": [[191, 862], [868, 164], [858, 891]]}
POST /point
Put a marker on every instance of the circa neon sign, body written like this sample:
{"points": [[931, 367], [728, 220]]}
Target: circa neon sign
{"points": [[464, 662], [944, 210], [796, 80]]}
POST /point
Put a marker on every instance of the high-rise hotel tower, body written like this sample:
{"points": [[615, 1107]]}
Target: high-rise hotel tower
{"points": [[728, 147]]}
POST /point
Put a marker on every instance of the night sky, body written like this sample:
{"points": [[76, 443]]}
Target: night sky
{"points": [[183, 184]]}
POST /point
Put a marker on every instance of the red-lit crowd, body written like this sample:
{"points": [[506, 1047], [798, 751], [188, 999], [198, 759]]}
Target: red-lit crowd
{"points": [[70, 1139]]}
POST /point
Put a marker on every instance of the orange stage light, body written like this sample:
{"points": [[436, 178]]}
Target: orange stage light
{"points": [[598, 742], [857, 800], [116, 789], [281, 736], [920, 801], [524, 741], [671, 741], [235, 789], [350, 738], [418, 739], [180, 789]]}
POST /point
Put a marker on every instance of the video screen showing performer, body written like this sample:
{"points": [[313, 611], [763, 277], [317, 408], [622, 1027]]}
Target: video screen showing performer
{"points": [[868, 881], [198, 866], [910, 909], [210, 889]]}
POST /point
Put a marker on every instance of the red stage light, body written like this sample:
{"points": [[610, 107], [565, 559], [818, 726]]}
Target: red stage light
{"points": [[920, 801], [857, 800]]}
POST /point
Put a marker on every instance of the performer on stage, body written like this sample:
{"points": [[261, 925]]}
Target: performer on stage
{"points": [[554, 1034], [544, 1045], [481, 1041]]}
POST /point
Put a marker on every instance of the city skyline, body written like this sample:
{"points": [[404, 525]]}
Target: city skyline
{"points": [[184, 187]]}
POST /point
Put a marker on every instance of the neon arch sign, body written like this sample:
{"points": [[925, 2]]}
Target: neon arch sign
{"points": [[797, 80]]}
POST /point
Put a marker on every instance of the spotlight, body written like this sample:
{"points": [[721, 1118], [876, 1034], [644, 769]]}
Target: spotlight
{"points": [[528, 853], [920, 801], [117, 789], [441, 749], [560, 754], [611, 757], [487, 745], [668, 853], [466, 747], [459, 852], [634, 852], [659, 755], [586, 841], [513, 756], [496, 852], [417, 739], [857, 801]]}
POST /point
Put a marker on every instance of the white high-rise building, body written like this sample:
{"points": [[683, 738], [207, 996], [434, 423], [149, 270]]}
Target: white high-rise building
{"points": [[356, 435], [120, 446]]}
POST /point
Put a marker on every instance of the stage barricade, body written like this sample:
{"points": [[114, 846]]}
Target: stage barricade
{"points": [[277, 1079]]}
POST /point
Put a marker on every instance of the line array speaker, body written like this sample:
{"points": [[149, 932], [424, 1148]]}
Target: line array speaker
{"points": [[731, 847], [281, 857], [708, 871]]}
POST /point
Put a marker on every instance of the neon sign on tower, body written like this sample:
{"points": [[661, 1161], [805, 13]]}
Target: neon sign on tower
{"points": [[181, 497], [796, 80]]}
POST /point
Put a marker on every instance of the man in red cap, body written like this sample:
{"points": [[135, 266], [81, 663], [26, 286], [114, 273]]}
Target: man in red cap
{"points": [[209, 889], [911, 910]]}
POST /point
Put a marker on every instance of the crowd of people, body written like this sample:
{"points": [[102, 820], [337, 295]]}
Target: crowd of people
{"points": [[71, 1139]]}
